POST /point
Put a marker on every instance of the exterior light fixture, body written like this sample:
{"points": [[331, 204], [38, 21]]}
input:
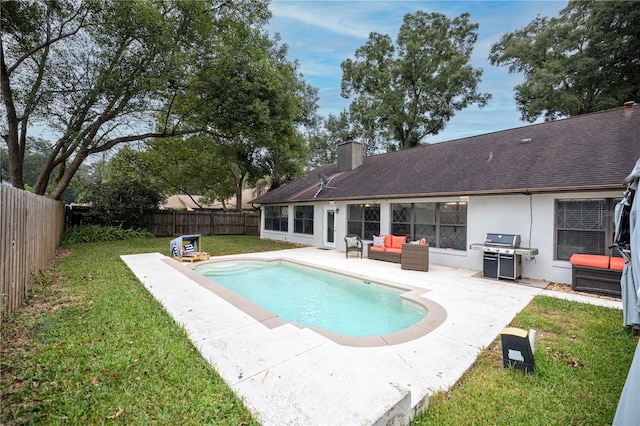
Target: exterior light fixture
{"points": [[517, 349]]}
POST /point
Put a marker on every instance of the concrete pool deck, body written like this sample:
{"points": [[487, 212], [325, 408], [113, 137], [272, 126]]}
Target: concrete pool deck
{"points": [[288, 375]]}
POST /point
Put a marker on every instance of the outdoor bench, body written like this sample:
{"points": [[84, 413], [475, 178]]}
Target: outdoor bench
{"points": [[596, 274], [410, 256], [389, 250]]}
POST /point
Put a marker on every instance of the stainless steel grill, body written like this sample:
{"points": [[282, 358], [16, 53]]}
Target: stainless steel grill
{"points": [[502, 255]]}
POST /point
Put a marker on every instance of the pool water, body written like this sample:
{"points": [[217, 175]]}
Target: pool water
{"points": [[314, 297]]}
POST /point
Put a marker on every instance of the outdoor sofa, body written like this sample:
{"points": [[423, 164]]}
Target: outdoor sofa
{"points": [[386, 247], [596, 274], [396, 249]]}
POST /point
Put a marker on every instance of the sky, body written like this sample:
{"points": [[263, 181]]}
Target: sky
{"points": [[322, 34]]}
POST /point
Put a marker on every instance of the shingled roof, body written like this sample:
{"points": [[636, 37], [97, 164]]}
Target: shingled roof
{"points": [[588, 152]]}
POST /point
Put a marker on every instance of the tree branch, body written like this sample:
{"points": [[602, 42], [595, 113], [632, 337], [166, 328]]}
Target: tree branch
{"points": [[49, 42]]}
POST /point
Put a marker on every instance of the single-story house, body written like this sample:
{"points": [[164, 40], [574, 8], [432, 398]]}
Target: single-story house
{"points": [[195, 202], [555, 184]]}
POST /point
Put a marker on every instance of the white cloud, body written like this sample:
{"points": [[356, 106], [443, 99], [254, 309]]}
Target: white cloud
{"points": [[334, 17], [322, 34]]}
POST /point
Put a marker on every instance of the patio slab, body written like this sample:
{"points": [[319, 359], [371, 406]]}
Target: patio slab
{"points": [[289, 375]]}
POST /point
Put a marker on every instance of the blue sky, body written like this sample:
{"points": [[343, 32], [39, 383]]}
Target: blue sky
{"points": [[322, 34]]}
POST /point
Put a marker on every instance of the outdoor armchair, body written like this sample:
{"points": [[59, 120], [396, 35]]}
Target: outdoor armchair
{"points": [[353, 243]]}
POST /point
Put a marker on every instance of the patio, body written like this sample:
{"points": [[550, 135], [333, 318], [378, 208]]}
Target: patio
{"points": [[288, 375]]}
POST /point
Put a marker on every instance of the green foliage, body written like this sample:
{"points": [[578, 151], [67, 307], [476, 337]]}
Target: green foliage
{"points": [[324, 139], [192, 165], [255, 102], [97, 233], [584, 60], [99, 74], [411, 89], [582, 360], [122, 203]]}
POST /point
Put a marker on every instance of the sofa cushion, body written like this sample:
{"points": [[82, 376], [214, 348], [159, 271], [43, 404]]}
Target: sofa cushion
{"points": [[398, 242], [617, 263], [388, 240], [379, 241], [592, 260], [374, 248]]}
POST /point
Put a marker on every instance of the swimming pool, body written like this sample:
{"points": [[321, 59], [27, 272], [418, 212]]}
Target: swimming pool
{"points": [[347, 309], [313, 297]]}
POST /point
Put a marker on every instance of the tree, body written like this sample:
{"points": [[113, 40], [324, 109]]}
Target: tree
{"points": [[323, 139], [191, 166], [255, 101], [126, 195], [407, 91], [103, 73], [584, 60], [122, 203]]}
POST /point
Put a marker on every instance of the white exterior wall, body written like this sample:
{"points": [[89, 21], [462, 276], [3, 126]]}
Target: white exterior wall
{"points": [[290, 236], [530, 216]]}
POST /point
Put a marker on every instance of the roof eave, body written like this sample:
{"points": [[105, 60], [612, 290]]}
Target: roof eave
{"points": [[525, 191]]}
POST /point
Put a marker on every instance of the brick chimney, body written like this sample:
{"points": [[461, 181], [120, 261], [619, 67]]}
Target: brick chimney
{"points": [[350, 155]]}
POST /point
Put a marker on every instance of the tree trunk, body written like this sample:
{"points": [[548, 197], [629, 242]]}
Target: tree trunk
{"points": [[239, 195], [15, 154], [68, 174]]}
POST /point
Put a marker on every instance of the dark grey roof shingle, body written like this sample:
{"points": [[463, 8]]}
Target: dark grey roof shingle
{"points": [[591, 151]]}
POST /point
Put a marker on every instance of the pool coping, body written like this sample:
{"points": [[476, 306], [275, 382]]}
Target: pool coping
{"points": [[436, 313]]}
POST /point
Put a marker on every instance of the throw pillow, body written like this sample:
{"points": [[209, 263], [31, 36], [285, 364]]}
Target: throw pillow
{"points": [[378, 241], [352, 241], [423, 241]]}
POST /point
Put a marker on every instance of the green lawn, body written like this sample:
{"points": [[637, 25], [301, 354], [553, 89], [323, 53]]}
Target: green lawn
{"points": [[582, 360], [92, 346]]}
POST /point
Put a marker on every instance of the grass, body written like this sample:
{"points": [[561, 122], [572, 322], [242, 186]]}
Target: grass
{"points": [[92, 346], [582, 360]]}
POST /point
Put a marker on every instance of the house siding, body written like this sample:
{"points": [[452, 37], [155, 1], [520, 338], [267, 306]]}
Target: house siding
{"points": [[532, 216]]}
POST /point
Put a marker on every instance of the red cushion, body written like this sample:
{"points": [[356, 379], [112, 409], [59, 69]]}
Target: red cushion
{"points": [[423, 241], [374, 248], [393, 250], [617, 263], [398, 242], [592, 260], [388, 240]]}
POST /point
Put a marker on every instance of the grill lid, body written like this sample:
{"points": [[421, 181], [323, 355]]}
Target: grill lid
{"points": [[502, 240]]}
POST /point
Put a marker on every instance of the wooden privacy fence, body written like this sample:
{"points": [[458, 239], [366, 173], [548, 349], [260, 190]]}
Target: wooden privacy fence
{"points": [[206, 222], [30, 230]]}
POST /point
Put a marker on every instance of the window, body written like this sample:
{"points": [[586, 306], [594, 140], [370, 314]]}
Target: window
{"points": [[303, 220], [584, 226], [443, 225], [364, 220], [276, 218]]}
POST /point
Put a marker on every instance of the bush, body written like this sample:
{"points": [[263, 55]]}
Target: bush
{"points": [[95, 233], [122, 203]]}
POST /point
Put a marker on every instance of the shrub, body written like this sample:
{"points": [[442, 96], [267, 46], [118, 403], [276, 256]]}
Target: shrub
{"points": [[95, 233], [127, 204]]}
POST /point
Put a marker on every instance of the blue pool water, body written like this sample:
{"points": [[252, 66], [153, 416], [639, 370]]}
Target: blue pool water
{"points": [[313, 297]]}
